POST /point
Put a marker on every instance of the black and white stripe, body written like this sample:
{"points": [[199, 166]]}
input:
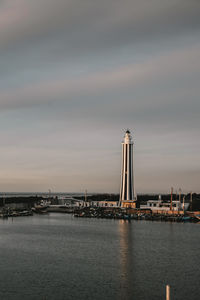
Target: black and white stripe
{"points": [[127, 180]]}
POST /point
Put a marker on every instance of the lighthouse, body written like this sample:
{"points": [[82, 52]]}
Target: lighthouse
{"points": [[127, 194]]}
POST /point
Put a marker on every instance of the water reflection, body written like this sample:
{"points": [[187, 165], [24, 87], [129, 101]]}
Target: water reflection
{"points": [[126, 260]]}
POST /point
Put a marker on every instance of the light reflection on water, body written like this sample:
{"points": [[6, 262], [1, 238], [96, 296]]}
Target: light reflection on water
{"points": [[153, 254], [126, 259]]}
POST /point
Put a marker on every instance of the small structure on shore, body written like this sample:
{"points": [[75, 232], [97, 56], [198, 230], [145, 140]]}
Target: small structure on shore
{"points": [[102, 203], [161, 206]]}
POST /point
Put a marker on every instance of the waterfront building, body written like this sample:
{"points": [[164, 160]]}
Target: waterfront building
{"points": [[161, 206], [95, 204], [127, 193]]}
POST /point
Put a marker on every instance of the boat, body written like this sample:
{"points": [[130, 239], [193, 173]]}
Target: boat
{"points": [[186, 218], [40, 210]]}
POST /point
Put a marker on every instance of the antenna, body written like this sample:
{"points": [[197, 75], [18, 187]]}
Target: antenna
{"points": [[184, 204], [180, 195], [49, 194], [191, 201], [171, 198], [4, 199]]}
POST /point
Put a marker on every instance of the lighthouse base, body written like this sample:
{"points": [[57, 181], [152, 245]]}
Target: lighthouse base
{"points": [[128, 204]]}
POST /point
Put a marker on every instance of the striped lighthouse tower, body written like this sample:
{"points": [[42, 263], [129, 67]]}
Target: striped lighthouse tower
{"points": [[127, 194]]}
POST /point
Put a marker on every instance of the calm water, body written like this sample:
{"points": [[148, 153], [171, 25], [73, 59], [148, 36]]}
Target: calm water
{"points": [[61, 257]]}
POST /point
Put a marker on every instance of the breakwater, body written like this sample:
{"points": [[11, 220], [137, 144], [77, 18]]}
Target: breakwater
{"points": [[106, 213], [133, 214], [5, 213]]}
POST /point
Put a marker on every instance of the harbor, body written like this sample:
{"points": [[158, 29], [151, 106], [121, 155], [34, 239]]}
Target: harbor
{"points": [[162, 208], [106, 213], [136, 214], [99, 138]]}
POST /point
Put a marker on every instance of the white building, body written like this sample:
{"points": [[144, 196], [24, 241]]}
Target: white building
{"points": [[103, 203], [156, 205]]}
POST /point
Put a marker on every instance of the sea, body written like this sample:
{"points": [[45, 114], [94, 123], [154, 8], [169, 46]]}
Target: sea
{"points": [[58, 256]]}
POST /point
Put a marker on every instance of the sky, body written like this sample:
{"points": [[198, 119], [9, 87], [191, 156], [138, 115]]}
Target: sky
{"points": [[74, 74]]}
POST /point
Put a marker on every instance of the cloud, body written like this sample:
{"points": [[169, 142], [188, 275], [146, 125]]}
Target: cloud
{"points": [[151, 72], [74, 73], [79, 28]]}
